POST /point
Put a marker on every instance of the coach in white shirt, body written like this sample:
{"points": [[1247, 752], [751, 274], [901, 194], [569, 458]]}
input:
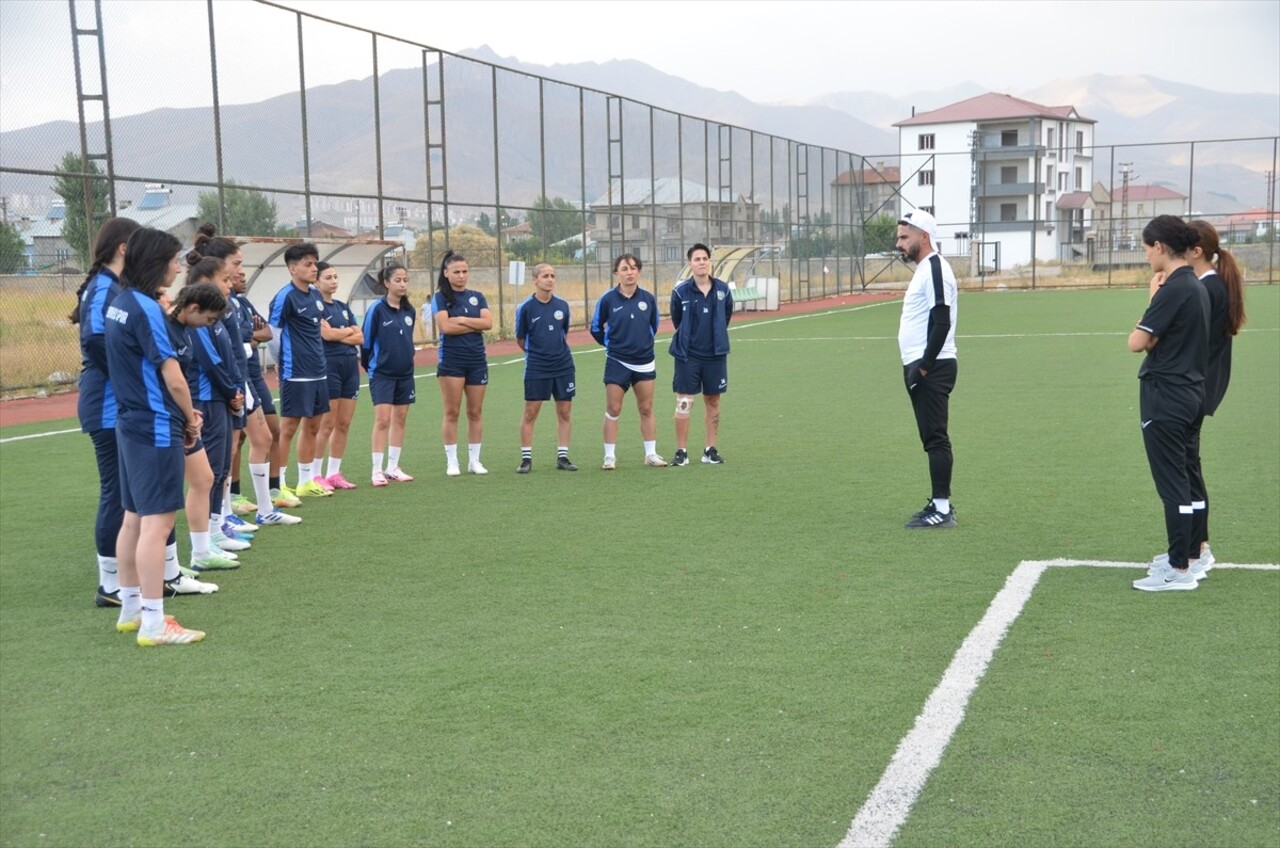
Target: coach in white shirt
{"points": [[927, 341]]}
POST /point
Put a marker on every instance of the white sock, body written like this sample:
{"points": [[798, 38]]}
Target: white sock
{"points": [[108, 577], [943, 505], [562, 450], [226, 498], [281, 476], [451, 454], [130, 602], [152, 614], [377, 462], [611, 450], [650, 446], [473, 452], [335, 465], [393, 456], [260, 473], [171, 571], [215, 524], [199, 544], [304, 473]]}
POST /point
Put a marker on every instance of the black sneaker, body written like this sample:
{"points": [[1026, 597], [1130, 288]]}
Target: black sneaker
{"points": [[106, 599], [929, 518], [563, 464], [681, 458], [526, 465], [711, 456]]}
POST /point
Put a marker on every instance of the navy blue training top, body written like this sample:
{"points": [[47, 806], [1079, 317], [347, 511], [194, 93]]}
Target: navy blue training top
{"points": [[543, 328], [245, 314], [212, 377], [97, 403], [339, 316], [138, 343], [298, 314], [387, 351], [626, 326], [467, 349]]}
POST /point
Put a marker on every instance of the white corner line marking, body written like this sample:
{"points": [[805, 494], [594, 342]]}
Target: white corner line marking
{"points": [[918, 754]]}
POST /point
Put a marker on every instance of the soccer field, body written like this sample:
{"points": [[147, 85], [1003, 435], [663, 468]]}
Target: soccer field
{"points": [[710, 655]]}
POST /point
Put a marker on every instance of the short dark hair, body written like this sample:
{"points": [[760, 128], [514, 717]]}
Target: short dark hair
{"points": [[206, 296], [699, 246], [617, 263], [296, 253], [146, 260], [203, 269]]}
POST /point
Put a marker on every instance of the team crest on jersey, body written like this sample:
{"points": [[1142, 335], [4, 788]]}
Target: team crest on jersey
{"points": [[559, 315], [719, 295], [346, 314], [320, 305], [642, 306], [408, 320], [474, 301]]}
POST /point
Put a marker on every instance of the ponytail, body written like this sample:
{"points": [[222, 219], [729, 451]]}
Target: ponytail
{"points": [[442, 282]]}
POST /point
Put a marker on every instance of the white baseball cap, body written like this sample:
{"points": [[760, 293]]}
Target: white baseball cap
{"points": [[923, 221]]}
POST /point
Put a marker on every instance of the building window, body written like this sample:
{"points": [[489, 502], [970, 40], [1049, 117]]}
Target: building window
{"points": [[671, 253], [1049, 139], [1048, 211], [1008, 211], [928, 209], [1062, 182], [673, 225], [1079, 141], [615, 222], [1079, 178], [635, 222], [924, 178], [1008, 138], [635, 251], [1008, 174], [1048, 176], [926, 141]]}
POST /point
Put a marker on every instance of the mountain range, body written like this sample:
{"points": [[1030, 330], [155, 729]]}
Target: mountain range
{"points": [[262, 141]]}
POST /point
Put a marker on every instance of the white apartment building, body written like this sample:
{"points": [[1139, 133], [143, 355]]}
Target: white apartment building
{"points": [[1007, 179]]}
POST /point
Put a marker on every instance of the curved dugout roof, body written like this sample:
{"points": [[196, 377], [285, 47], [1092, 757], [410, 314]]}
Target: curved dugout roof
{"points": [[266, 274]]}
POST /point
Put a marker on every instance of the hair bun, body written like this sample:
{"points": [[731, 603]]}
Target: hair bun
{"points": [[194, 256]]}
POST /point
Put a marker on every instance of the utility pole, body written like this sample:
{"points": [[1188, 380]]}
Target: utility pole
{"points": [[4, 209], [1126, 173]]}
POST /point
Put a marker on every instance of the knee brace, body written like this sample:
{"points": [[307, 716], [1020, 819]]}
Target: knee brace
{"points": [[684, 405], [608, 417]]}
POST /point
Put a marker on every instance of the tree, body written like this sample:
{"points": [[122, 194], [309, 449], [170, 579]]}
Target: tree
{"points": [[554, 220], [879, 235], [485, 223], [480, 248], [11, 247], [78, 231], [249, 212]]}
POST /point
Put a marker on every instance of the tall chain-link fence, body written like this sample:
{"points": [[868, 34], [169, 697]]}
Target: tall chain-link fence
{"points": [[234, 112]]}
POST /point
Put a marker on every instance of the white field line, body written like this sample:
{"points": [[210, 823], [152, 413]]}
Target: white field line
{"points": [[521, 359], [920, 751]]}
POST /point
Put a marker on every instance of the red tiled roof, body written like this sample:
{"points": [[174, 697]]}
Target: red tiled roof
{"points": [[1251, 216], [992, 107], [1075, 200], [1148, 192], [870, 176]]}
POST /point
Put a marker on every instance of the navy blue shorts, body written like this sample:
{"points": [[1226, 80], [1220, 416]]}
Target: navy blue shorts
{"points": [[475, 375], [617, 374], [216, 435], [701, 377], [545, 388], [397, 392], [150, 477], [262, 398], [344, 377], [304, 398]]}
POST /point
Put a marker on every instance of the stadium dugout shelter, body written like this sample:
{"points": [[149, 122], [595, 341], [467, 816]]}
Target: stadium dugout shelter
{"points": [[754, 292]]}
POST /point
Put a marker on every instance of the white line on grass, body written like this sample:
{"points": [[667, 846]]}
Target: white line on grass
{"points": [[920, 751]]}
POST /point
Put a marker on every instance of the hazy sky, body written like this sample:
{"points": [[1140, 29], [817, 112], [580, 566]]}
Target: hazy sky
{"points": [[768, 51]]}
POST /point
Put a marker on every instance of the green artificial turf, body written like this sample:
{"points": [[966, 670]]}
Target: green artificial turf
{"points": [[712, 656]]}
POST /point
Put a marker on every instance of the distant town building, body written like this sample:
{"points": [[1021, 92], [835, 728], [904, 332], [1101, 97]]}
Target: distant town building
{"points": [[1252, 224], [1121, 215], [995, 170], [635, 214], [866, 194]]}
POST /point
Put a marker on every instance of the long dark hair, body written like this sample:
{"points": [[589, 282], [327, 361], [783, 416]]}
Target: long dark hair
{"points": [[204, 267], [146, 260], [1228, 270], [111, 235], [206, 296], [209, 243], [1171, 231], [442, 282], [384, 277]]}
